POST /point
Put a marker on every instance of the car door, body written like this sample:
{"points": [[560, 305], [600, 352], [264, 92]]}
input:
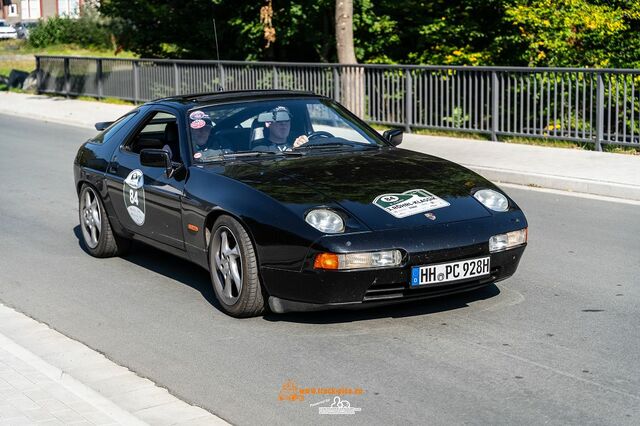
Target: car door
{"points": [[146, 200]]}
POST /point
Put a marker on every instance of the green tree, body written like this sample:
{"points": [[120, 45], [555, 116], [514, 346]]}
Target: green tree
{"points": [[456, 32], [179, 29], [575, 33]]}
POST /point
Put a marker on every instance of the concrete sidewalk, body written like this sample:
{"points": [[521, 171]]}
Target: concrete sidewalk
{"points": [[596, 173], [49, 379]]}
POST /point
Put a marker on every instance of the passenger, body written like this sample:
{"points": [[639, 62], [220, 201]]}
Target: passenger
{"points": [[201, 137], [277, 133]]}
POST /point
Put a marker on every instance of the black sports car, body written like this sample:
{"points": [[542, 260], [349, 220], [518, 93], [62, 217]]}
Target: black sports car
{"points": [[292, 203]]}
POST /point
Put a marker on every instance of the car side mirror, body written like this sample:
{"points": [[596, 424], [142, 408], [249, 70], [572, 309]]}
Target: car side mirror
{"points": [[103, 125], [156, 158], [394, 136]]}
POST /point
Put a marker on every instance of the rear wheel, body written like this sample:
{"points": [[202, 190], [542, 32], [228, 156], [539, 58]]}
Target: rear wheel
{"points": [[97, 235], [234, 269]]}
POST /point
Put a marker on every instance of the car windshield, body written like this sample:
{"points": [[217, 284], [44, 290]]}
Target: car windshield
{"points": [[282, 127]]}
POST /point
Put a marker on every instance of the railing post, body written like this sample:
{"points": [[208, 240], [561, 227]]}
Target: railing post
{"points": [[599, 112], [495, 98], [408, 94], [275, 82], [222, 76], [67, 82], [136, 82], [336, 84], [100, 78], [176, 79], [38, 76]]}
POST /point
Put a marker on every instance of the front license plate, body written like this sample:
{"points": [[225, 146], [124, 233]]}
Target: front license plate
{"points": [[443, 272]]}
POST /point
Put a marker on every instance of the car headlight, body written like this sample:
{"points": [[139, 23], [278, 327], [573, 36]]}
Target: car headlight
{"points": [[325, 220], [492, 200], [507, 241], [376, 259]]}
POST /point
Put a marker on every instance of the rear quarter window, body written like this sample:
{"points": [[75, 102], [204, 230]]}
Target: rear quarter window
{"points": [[110, 131]]}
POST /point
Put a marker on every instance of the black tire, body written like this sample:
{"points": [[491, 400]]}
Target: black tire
{"points": [[249, 301], [106, 243]]}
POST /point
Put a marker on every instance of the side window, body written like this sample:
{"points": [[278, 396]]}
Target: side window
{"points": [[107, 133], [159, 131], [326, 119]]}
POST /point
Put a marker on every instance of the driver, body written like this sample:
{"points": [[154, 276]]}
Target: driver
{"points": [[277, 131]]}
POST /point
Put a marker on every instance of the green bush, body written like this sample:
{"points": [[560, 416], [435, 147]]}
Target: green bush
{"points": [[89, 30]]}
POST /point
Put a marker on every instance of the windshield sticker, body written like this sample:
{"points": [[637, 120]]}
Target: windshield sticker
{"points": [[197, 115], [198, 124], [409, 203], [133, 191]]}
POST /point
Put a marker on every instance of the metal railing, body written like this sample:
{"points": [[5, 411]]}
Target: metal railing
{"points": [[598, 106]]}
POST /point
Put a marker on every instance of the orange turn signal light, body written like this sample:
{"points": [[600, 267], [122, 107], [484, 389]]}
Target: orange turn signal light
{"points": [[193, 228], [326, 261]]}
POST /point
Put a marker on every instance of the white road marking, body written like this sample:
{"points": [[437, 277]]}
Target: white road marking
{"points": [[569, 193]]}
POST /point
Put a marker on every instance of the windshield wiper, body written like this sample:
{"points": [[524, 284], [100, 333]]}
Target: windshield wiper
{"points": [[246, 154], [337, 145], [243, 154]]}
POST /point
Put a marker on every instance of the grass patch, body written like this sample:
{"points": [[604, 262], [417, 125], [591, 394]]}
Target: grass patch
{"points": [[452, 134], [436, 132], [628, 150], [16, 90], [20, 47], [6, 65], [546, 142], [114, 101]]}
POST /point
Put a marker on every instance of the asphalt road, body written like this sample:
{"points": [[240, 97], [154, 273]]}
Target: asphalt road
{"points": [[557, 343]]}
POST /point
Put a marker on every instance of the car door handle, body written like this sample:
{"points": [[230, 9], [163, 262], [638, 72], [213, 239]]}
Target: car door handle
{"points": [[113, 168]]}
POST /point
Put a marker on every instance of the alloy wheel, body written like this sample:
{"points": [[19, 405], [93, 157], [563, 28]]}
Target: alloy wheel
{"points": [[227, 259], [90, 218]]}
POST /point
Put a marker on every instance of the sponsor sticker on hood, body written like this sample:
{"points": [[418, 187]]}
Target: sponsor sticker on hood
{"points": [[410, 202]]}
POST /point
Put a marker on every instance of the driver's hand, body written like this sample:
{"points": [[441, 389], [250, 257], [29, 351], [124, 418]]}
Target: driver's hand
{"points": [[300, 140]]}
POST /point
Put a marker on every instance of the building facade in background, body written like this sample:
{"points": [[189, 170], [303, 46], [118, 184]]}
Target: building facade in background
{"points": [[30, 10]]}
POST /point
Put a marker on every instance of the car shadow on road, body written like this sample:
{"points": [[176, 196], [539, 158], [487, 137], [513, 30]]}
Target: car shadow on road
{"points": [[168, 265], [197, 278], [399, 310]]}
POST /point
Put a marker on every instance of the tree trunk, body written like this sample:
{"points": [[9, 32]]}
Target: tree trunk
{"points": [[344, 32], [352, 78]]}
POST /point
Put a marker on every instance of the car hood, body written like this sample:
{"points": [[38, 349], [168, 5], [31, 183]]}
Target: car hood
{"points": [[386, 189]]}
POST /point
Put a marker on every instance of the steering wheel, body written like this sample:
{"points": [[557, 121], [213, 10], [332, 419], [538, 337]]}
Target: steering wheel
{"points": [[320, 134]]}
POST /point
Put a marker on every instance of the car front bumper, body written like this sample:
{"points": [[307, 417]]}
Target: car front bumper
{"points": [[320, 290], [8, 36], [309, 289]]}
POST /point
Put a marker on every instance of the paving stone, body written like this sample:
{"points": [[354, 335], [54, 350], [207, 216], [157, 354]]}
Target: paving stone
{"points": [[115, 385], [17, 421], [39, 415], [142, 398], [21, 402], [167, 414], [71, 384], [68, 416]]}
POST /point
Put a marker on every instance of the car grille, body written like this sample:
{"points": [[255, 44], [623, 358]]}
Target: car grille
{"points": [[379, 292]]}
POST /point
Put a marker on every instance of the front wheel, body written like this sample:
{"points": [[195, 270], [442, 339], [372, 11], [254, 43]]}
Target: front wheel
{"points": [[97, 235], [234, 269]]}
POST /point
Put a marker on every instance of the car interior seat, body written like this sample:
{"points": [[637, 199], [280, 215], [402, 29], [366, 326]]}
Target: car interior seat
{"points": [[171, 138], [258, 132]]}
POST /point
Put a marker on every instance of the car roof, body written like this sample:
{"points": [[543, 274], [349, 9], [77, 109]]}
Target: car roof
{"points": [[211, 98]]}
